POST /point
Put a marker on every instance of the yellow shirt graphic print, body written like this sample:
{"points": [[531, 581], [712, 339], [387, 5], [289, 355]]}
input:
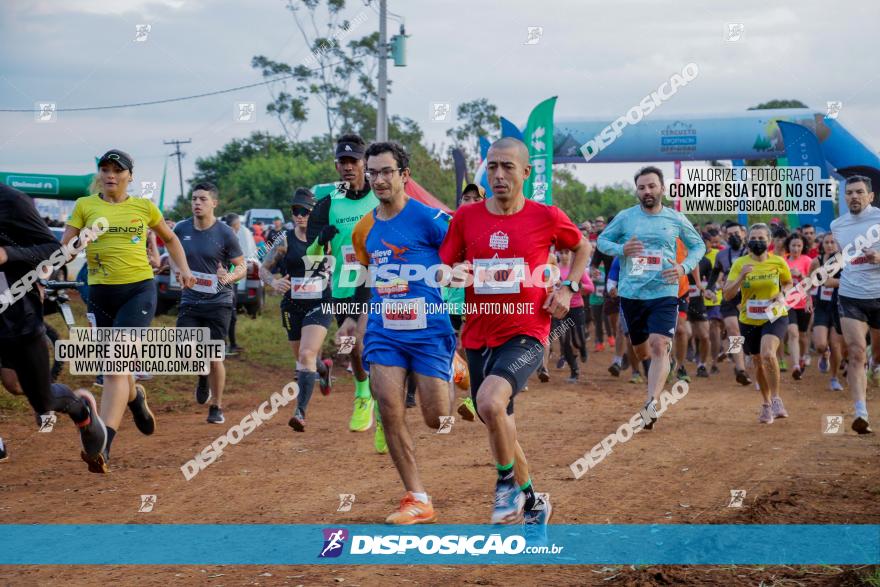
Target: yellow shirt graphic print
{"points": [[760, 287], [119, 255]]}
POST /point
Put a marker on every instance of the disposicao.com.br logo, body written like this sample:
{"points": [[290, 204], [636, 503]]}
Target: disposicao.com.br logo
{"points": [[450, 544]]}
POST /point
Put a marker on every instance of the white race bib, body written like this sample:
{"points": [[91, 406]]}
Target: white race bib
{"points": [[205, 282], [600, 290], [649, 260], [814, 291], [498, 276], [825, 293], [408, 314], [693, 292], [306, 288], [757, 309]]}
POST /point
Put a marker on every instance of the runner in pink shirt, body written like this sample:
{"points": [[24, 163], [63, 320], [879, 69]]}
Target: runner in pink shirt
{"points": [[573, 326], [799, 312]]}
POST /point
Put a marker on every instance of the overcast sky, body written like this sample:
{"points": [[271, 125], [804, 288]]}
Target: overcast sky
{"points": [[600, 58]]}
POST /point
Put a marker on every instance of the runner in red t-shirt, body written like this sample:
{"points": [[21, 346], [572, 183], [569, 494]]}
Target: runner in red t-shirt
{"points": [[505, 241]]}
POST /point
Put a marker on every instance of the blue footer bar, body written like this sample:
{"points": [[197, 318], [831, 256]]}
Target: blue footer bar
{"points": [[301, 544]]}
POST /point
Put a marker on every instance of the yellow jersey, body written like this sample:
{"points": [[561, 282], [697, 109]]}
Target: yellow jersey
{"points": [[119, 255], [760, 287]]}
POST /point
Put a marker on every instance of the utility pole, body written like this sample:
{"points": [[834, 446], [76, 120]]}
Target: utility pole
{"points": [[382, 109], [179, 154]]}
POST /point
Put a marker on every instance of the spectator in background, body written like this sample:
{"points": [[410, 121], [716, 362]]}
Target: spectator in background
{"points": [[249, 249], [586, 228], [274, 231], [777, 247], [598, 227], [259, 239], [811, 245]]}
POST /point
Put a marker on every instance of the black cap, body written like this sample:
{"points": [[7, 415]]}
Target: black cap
{"points": [[303, 198], [347, 149], [121, 158]]}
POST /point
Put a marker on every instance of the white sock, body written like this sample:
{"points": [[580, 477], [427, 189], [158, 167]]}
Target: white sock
{"points": [[422, 497], [861, 409]]}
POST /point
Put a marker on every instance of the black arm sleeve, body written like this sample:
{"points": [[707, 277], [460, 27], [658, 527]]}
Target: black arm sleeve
{"points": [[23, 234], [716, 273], [318, 219]]}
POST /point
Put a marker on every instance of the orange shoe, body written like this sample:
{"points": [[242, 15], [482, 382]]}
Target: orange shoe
{"points": [[599, 347], [412, 511], [611, 341]]}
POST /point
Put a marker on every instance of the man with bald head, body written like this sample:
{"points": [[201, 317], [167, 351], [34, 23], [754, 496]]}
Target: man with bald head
{"points": [[503, 243]]}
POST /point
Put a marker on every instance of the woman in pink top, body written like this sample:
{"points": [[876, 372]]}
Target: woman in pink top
{"points": [[573, 327], [799, 311]]}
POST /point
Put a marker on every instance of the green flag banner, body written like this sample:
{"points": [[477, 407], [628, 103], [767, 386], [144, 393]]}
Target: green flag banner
{"points": [[538, 137], [162, 192]]}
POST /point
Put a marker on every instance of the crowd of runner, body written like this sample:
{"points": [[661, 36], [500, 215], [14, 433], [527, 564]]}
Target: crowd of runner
{"points": [[658, 291]]}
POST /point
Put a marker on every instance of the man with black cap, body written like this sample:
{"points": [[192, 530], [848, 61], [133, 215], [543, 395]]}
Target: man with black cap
{"points": [[304, 313], [332, 222], [216, 260]]}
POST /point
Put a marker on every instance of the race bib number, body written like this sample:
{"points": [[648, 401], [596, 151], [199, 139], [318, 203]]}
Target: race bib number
{"points": [[498, 276], [825, 293], [205, 282], [814, 291], [757, 309], [600, 290], [306, 288], [404, 314], [348, 256], [649, 261]]}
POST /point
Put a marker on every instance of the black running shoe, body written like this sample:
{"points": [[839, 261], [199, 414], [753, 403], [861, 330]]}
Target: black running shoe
{"points": [[215, 415], [99, 381], [861, 425], [560, 363], [203, 390], [614, 369], [92, 435], [681, 374], [743, 378], [298, 421], [411, 398], [702, 371], [140, 411], [543, 375], [3, 454]]}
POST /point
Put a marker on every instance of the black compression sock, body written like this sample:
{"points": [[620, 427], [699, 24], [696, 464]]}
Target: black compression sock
{"points": [[111, 434], [646, 364], [306, 382], [529, 492]]}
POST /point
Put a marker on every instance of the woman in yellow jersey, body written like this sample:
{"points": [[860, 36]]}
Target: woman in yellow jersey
{"points": [[761, 276], [121, 288]]}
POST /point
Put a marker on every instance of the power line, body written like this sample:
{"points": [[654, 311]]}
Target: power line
{"points": [[167, 100]]}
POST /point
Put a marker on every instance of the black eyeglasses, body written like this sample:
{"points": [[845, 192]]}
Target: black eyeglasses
{"points": [[300, 212]]}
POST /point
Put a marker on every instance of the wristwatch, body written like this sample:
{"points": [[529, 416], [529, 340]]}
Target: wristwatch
{"points": [[572, 285]]}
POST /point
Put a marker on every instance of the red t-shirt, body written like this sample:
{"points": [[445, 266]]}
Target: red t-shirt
{"points": [[813, 253], [483, 238]]}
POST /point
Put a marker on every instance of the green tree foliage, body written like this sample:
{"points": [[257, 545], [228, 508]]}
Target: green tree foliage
{"points": [[476, 118]]}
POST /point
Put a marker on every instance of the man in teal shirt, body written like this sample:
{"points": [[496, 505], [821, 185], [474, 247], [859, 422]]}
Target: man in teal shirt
{"points": [[332, 221], [644, 237]]}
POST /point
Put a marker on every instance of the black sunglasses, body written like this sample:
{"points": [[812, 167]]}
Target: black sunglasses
{"points": [[300, 211]]}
